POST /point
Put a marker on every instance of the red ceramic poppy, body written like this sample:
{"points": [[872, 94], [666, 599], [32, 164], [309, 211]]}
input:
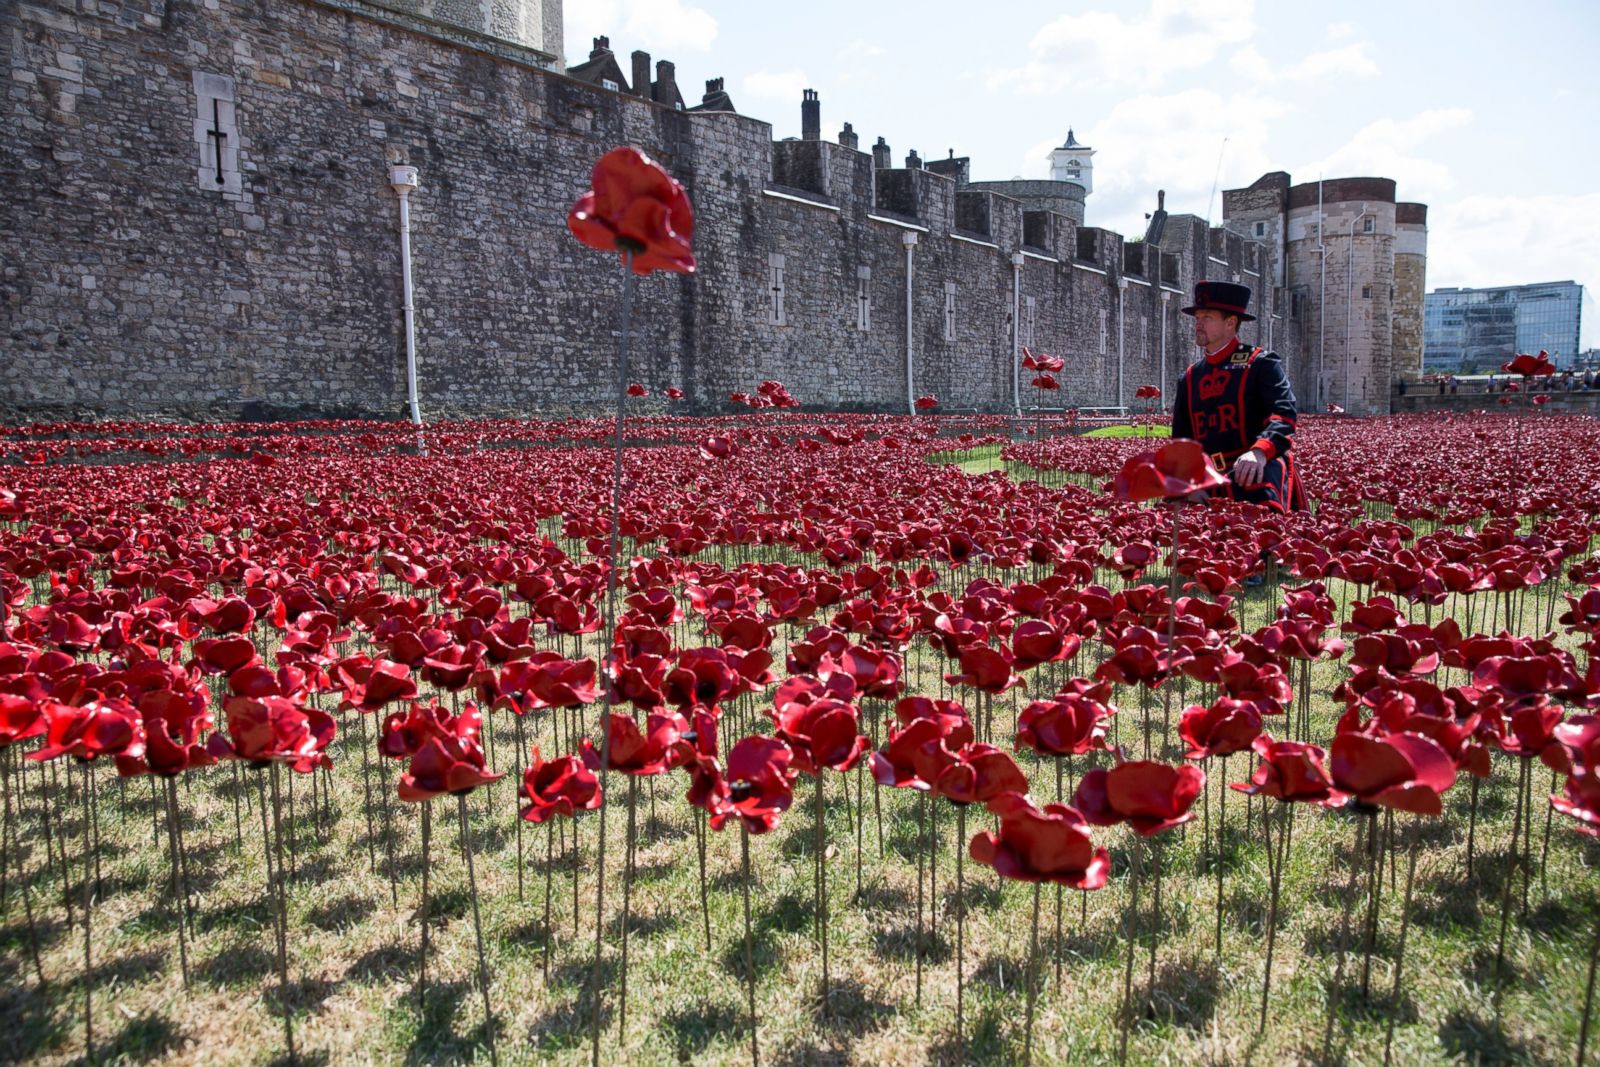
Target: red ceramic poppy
{"points": [[21, 717], [1176, 469], [1291, 771], [1530, 366], [1147, 392], [275, 730], [643, 753], [674, 393], [1580, 800], [927, 403], [107, 727], [379, 683], [1051, 844], [1047, 382], [760, 784], [820, 730], [1070, 724], [1226, 727], [558, 787], [449, 761], [1406, 771], [636, 208], [977, 773], [897, 763], [1150, 797], [635, 389]]}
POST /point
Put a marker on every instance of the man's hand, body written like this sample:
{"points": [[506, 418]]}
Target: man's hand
{"points": [[1249, 469]]}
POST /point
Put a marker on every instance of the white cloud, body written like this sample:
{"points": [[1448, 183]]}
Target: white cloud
{"points": [[1395, 149], [1350, 61], [1338, 31], [1096, 47], [1512, 240], [858, 51], [661, 27], [781, 86], [1172, 142]]}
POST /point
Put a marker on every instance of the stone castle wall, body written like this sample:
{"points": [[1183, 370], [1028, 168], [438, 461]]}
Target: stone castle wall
{"points": [[143, 278]]}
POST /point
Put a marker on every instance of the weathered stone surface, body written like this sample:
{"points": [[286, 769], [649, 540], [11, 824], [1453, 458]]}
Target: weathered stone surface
{"points": [[130, 288]]}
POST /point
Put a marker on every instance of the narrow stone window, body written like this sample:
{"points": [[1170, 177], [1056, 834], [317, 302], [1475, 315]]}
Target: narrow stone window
{"points": [[1366, 292], [216, 134], [949, 311], [1029, 318], [1366, 225], [776, 315], [864, 298], [1104, 336]]}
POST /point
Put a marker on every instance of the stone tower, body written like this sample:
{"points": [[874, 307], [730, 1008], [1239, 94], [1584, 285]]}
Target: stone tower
{"points": [[1073, 162], [1410, 286], [534, 24]]}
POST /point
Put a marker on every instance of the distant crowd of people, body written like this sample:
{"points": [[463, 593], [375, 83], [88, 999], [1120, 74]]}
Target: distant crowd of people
{"points": [[1566, 381]]}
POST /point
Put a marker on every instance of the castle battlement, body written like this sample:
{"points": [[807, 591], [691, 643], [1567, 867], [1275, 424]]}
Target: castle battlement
{"points": [[205, 227]]}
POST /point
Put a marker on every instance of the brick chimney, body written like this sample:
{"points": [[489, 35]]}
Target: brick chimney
{"points": [[880, 155], [641, 74], [848, 138], [602, 45], [666, 88], [913, 161], [810, 116]]}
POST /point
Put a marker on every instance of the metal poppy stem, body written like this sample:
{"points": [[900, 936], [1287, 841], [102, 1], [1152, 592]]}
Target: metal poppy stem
{"points": [[627, 901], [1033, 984], [366, 793], [549, 862], [276, 886], [961, 928], [1513, 860], [610, 628], [6, 760], [422, 912], [1400, 949], [88, 919], [477, 923], [180, 893], [1222, 825], [1274, 881], [1344, 935], [922, 811], [1588, 1000], [700, 853], [1127, 975], [822, 889], [522, 748], [749, 941]]}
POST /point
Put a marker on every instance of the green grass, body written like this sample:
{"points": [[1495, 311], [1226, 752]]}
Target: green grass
{"points": [[353, 946], [1158, 430]]}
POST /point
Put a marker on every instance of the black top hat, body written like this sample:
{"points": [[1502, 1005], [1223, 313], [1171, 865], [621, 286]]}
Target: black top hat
{"points": [[1226, 297]]}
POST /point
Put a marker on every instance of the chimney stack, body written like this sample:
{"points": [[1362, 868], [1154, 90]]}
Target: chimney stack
{"points": [[666, 89], [602, 45], [1161, 200], [880, 155], [913, 161], [810, 116], [848, 138], [641, 74]]}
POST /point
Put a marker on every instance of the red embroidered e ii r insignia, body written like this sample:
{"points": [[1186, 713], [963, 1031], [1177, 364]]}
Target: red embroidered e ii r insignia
{"points": [[1212, 384]]}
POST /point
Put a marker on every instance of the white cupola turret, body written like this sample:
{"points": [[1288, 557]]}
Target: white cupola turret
{"points": [[1072, 162]]}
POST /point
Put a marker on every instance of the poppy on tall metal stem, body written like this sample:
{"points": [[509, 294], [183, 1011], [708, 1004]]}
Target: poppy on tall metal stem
{"points": [[638, 210]]}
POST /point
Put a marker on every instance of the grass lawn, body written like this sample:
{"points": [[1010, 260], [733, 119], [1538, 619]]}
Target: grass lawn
{"points": [[354, 934]]}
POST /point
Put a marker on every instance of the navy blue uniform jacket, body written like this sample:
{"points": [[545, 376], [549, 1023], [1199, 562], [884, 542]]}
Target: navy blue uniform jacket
{"points": [[1237, 399]]}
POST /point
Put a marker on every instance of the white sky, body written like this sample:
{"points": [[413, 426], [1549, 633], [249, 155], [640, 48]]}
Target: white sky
{"points": [[1487, 112]]}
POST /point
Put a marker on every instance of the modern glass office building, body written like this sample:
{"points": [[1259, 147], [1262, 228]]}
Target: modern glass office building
{"points": [[1474, 331]]}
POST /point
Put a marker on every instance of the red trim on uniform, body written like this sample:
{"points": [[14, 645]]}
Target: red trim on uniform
{"points": [[1265, 447], [1281, 418], [1244, 379], [1222, 353]]}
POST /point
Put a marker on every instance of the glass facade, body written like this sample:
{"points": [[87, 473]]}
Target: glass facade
{"points": [[1474, 331]]}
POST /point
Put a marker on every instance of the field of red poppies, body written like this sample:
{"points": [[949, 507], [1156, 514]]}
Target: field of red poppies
{"points": [[324, 742]]}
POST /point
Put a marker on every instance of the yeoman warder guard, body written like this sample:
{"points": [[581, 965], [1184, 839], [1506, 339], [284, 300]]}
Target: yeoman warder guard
{"points": [[1237, 402]]}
